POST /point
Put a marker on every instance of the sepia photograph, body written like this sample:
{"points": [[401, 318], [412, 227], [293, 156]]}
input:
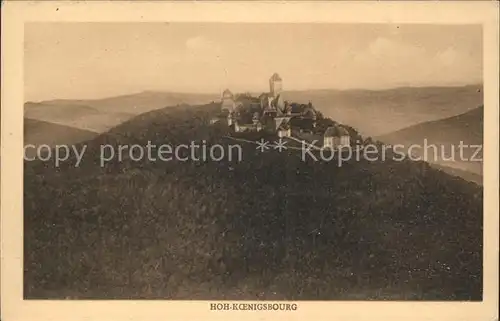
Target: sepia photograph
{"points": [[218, 161], [253, 165]]}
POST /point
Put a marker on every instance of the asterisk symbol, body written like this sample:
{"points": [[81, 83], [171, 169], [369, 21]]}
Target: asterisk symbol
{"points": [[280, 145], [262, 145]]}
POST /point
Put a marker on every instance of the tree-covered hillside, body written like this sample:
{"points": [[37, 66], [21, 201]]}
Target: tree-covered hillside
{"points": [[269, 227]]}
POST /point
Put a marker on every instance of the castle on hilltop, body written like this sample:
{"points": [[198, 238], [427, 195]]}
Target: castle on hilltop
{"points": [[270, 103], [268, 111], [272, 113]]}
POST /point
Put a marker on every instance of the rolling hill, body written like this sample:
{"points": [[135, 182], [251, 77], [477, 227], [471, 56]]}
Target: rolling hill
{"points": [[271, 226], [76, 116], [446, 134], [467, 175], [375, 113], [100, 115], [38, 133], [138, 103]]}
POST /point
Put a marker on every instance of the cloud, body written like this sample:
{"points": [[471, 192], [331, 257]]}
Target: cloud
{"points": [[196, 43], [202, 49], [383, 46], [201, 43], [449, 56], [382, 51]]}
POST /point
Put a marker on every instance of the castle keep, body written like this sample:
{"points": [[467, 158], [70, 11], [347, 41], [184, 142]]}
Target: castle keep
{"points": [[272, 113]]}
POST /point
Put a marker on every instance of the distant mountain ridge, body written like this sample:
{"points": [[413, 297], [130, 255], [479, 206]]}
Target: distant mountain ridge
{"points": [[378, 112], [77, 115], [100, 115], [37, 133], [371, 112], [137, 103], [447, 134], [467, 175], [467, 126]]}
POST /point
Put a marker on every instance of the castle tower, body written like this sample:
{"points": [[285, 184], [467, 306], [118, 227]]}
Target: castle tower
{"points": [[227, 101], [275, 85]]}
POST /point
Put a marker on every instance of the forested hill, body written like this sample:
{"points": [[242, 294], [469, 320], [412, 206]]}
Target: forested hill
{"points": [[269, 227], [447, 135]]}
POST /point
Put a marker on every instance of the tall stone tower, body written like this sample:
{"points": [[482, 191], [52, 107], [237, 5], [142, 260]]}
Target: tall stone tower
{"points": [[227, 101], [275, 85]]}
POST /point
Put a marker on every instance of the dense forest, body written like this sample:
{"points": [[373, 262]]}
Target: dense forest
{"points": [[271, 226]]}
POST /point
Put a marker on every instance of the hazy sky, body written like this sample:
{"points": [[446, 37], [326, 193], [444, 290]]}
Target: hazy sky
{"points": [[92, 60]]}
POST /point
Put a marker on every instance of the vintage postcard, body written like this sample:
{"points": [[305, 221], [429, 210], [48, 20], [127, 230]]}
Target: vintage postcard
{"points": [[258, 161]]}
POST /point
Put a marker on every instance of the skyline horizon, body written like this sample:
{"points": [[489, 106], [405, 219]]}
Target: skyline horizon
{"points": [[137, 92]]}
